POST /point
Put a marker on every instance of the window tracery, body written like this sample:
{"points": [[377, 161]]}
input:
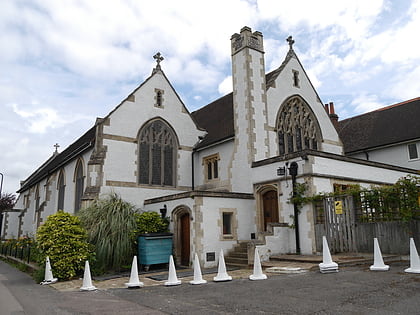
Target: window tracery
{"points": [[157, 154], [297, 127]]}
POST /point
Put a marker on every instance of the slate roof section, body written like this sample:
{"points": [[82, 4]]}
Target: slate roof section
{"points": [[82, 144], [389, 125], [217, 119]]}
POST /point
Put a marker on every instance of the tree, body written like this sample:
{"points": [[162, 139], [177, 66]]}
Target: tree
{"points": [[7, 201]]}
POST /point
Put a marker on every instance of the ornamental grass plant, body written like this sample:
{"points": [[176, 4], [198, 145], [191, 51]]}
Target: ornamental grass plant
{"points": [[110, 222]]}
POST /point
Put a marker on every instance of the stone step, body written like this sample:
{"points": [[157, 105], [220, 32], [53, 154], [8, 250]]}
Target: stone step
{"points": [[241, 266], [235, 260], [243, 255]]}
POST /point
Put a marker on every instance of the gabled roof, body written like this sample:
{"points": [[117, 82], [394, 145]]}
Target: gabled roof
{"points": [[386, 126], [217, 117], [155, 71], [83, 143], [58, 160]]}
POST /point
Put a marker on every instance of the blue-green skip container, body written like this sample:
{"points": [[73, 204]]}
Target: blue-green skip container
{"points": [[154, 248]]}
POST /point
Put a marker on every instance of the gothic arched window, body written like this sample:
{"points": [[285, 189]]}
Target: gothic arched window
{"points": [[157, 154], [297, 127], [61, 188], [79, 185], [37, 200]]}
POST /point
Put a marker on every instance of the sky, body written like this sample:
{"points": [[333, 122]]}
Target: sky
{"points": [[64, 63]]}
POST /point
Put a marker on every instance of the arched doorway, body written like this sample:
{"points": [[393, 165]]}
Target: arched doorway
{"points": [[182, 235], [270, 207]]}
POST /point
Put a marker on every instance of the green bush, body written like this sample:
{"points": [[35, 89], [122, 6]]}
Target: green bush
{"points": [[110, 222], [150, 222], [64, 240]]}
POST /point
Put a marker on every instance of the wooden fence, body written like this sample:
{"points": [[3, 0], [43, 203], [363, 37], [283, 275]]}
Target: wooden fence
{"points": [[348, 231]]}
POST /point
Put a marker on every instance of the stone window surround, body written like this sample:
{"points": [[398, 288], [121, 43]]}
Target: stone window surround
{"points": [[79, 181], [206, 161], [295, 117], [296, 78], [159, 99], [234, 224], [415, 149], [144, 136]]}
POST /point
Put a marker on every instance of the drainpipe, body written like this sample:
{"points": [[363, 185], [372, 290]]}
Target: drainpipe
{"points": [[293, 170], [367, 155], [192, 170], [1, 213]]}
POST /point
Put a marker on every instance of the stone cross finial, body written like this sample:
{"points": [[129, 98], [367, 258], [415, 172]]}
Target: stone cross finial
{"points": [[290, 41], [56, 146], [158, 57]]}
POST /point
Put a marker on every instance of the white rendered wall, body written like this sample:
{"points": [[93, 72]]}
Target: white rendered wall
{"points": [[211, 211], [120, 138], [51, 201], [207, 218], [355, 171], [224, 150], [394, 155]]}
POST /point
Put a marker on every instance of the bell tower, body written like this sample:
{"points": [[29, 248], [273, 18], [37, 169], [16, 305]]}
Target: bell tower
{"points": [[249, 102]]}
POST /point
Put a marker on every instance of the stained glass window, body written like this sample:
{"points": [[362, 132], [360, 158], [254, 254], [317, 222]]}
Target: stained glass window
{"points": [[157, 154], [79, 179], [297, 128], [61, 189]]}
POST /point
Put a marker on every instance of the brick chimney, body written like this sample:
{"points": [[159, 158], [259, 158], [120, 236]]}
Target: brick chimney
{"points": [[332, 114]]}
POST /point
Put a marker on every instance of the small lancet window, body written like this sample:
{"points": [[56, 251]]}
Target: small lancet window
{"points": [[159, 98], [295, 78], [211, 162]]}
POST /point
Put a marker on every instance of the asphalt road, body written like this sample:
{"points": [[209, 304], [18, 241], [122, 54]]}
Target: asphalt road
{"points": [[353, 290]]}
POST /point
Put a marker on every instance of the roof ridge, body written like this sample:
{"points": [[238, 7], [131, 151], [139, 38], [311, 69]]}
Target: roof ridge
{"points": [[397, 104], [382, 109]]}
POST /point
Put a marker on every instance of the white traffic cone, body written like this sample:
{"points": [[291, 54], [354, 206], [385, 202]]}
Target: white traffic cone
{"points": [[221, 272], [134, 281], [378, 262], [414, 259], [172, 278], [87, 280], [258, 274], [327, 264], [48, 276], [198, 278]]}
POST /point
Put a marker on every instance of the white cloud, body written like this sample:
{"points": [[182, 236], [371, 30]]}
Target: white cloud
{"points": [[365, 103], [79, 59], [40, 119], [225, 86]]}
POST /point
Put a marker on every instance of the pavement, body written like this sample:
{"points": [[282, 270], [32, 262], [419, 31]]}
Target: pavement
{"points": [[352, 290], [278, 264]]}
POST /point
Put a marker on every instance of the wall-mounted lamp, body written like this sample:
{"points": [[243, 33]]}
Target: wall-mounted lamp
{"points": [[281, 171], [163, 211]]}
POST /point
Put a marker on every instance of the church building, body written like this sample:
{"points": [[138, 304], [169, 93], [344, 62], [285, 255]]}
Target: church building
{"points": [[223, 174]]}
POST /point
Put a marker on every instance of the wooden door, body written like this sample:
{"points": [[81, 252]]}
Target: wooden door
{"points": [[270, 208], [185, 239]]}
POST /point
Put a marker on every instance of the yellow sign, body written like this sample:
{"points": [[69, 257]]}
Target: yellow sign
{"points": [[338, 205]]}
